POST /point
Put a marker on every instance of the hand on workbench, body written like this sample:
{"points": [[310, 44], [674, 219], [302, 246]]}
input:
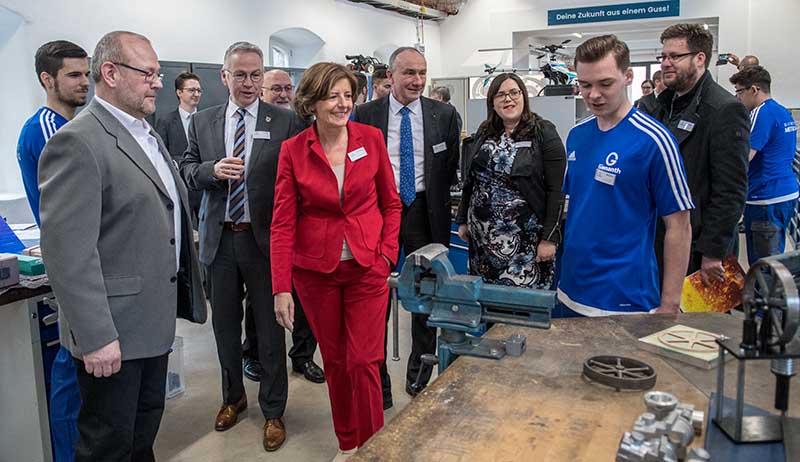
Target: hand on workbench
{"points": [[284, 310], [711, 270], [545, 251], [671, 308], [104, 361], [463, 232]]}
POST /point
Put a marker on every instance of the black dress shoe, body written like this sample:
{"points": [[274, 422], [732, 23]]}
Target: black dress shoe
{"points": [[387, 401], [310, 371], [414, 390], [252, 369]]}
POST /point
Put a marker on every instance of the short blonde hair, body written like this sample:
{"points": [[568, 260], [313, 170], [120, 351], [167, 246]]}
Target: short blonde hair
{"points": [[316, 84]]}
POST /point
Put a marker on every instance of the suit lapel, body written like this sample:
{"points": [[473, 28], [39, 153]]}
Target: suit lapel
{"points": [[430, 130], [383, 117], [263, 123], [353, 143], [218, 129], [127, 144]]}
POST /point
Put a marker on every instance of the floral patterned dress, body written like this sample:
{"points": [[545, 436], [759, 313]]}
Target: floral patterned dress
{"points": [[504, 231]]}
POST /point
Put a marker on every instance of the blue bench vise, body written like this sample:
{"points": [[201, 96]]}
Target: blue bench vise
{"points": [[460, 303]]}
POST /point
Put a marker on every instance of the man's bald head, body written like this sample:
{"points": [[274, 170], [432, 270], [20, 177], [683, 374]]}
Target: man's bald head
{"points": [[748, 60], [277, 88]]}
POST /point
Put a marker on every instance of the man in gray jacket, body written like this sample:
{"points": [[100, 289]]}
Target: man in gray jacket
{"points": [[117, 244]]}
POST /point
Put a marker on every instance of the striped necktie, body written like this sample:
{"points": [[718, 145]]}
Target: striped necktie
{"points": [[408, 190], [237, 194]]}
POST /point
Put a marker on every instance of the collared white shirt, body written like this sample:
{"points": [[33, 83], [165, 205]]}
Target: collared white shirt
{"points": [[141, 132], [186, 117], [393, 140], [231, 119]]}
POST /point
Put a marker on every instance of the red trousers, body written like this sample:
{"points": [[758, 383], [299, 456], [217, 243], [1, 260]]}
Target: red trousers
{"points": [[347, 313]]}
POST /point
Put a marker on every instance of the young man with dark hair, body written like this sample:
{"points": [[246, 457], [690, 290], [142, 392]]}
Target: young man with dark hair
{"points": [[624, 174], [772, 185], [712, 130], [381, 86], [63, 71], [174, 128], [62, 68]]}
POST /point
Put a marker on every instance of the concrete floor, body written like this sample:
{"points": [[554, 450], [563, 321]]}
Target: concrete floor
{"points": [[187, 428]]}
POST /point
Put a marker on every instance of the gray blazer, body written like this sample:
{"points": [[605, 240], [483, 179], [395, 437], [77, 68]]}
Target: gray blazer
{"points": [[207, 146], [107, 240]]}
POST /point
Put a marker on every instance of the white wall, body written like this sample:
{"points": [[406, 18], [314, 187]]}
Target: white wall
{"points": [[201, 32], [766, 28]]}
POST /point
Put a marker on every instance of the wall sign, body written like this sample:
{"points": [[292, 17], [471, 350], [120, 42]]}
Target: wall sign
{"points": [[620, 12]]}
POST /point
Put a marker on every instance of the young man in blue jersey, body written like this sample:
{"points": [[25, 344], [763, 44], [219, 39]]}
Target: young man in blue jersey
{"points": [[624, 173], [772, 185], [63, 71]]}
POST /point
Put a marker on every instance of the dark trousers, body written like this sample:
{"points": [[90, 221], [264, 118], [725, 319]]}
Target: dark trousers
{"points": [[303, 342], [239, 264], [415, 233], [120, 414]]}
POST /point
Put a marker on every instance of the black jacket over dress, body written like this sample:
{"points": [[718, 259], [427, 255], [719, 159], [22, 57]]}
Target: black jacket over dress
{"points": [[713, 132], [537, 172]]}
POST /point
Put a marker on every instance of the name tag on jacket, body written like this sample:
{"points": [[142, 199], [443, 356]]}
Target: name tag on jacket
{"points": [[522, 144], [437, 148], [357, 154], [261, 135]]}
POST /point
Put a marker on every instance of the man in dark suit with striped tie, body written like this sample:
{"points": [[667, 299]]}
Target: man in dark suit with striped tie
{"points": [[233, 158]]}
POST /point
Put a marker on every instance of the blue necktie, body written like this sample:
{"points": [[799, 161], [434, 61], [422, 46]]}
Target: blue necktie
{"points": [[237, 194], [408, 190]]}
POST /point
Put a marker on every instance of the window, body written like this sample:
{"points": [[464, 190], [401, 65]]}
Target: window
{"points": [[280, 58]]}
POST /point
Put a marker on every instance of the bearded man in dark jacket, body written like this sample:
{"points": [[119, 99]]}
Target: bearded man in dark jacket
{"points": [[712, 128]]}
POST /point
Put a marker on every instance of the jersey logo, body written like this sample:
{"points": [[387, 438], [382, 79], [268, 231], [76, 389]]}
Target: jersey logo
{"points": [[612, 159], [571, 156]]}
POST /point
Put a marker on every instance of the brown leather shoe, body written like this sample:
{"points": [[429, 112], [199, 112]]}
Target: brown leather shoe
{"points": [[228, 414], [274, 434]]}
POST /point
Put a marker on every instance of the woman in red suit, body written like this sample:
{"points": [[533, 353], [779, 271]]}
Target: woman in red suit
{"points": [[334, 235]]}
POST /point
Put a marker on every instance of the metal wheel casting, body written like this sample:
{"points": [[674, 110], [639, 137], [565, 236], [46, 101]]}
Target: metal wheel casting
{"points": [[619, 372]]}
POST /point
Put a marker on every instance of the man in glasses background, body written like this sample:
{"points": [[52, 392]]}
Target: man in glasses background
{"points": [[772, 185], [233, 157], [277, 88], [174, 127], [712, 129], [117, 242]]}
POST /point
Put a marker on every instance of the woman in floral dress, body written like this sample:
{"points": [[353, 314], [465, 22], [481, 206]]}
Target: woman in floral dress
{"points": [[512, 203]]}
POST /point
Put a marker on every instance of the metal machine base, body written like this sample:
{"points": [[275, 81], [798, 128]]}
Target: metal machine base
{"points": [[452, 344], [755, 428]]}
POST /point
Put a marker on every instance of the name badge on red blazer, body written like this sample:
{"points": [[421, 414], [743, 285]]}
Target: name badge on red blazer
{"points": [[357, 154]]}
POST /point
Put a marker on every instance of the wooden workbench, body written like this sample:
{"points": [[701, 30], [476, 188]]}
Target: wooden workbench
{"points": [[537, 407]]}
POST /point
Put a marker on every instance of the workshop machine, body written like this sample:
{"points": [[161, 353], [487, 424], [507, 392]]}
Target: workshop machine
{"points": [[459, 303], [772, 315]]}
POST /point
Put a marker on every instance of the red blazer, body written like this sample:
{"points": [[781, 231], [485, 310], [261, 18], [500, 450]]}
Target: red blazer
{"points": [[309, 222]]}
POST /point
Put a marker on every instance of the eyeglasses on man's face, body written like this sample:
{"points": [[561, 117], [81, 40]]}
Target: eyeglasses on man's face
{"points": [[675, 57], [194, 91], [513, 94], [149, 76], [240, 76], [280, 89]]}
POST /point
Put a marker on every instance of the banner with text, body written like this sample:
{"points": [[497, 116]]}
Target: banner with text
{"points": [[621, 12]]}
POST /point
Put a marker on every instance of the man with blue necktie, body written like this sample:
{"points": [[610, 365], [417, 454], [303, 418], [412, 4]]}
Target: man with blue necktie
{"points": [[422, 138]]}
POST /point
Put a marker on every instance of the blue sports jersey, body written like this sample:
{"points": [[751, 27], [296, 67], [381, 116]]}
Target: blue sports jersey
{"points": [[619, 183], [35, 133], [773, 134]]}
